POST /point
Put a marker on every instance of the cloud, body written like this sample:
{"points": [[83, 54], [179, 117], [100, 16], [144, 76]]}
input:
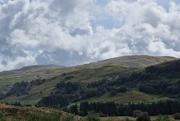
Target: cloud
{"points": [[67, 32], [146, 22]]}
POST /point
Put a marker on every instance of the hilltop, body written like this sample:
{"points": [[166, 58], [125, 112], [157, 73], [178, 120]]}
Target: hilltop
{"points": [[30, 68], [134, 61]]}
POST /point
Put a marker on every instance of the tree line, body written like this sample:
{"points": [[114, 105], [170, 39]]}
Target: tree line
{"points": [[22, 88], [114, 109]]}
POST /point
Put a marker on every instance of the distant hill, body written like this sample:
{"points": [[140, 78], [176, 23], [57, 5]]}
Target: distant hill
{"points": [[30, 68], [135, 61]]}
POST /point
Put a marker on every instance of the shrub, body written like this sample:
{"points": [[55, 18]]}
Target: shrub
{"points": [[43, 117], [127, 119], [92, 116], [162, 118], [177, 116], [143, 116], [2, 118], [32, 117], [67, 118], [110, 119], [136, 113]]}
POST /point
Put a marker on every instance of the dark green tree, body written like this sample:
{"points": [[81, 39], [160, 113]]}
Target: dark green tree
{"points": [[74, 109], [143, 116]]}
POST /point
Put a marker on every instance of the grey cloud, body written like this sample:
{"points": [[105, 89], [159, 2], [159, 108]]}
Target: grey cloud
{"points": [[151, 21], [80, 31], [64, 7], [66, 58], [67, 32]]}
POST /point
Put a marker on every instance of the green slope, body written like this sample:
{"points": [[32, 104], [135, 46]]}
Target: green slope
{"points": [[135, 61], [85, 74], [7, 78]]}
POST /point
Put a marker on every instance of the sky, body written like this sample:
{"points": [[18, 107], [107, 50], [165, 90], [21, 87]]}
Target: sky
{"points": [[74, 32]]}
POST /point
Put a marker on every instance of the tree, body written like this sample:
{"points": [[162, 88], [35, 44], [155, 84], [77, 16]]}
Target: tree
{"points": [[113, 92], [84, 108], [74, 109], [143, 116], [136, 113], [177, 116]]}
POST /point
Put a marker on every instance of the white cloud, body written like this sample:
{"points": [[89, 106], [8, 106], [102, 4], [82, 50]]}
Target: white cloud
{"points": [[70, 32]]}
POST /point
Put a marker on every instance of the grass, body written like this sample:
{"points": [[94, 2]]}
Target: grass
{"points": [[135, 61], [13, 113], [126, 61], [128, 97], [122, 118], [83, 74]]}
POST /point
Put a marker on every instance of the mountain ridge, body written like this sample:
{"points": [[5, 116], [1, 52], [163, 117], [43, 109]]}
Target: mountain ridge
{"points": [[29, 68], [123, 61], [138, 60]]}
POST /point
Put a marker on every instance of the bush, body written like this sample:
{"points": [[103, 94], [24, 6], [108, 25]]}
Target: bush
{"points": [[177, 116], [143, 116], [67, 118], [43, 117], [127, 119], [136, 113], [92, 116], [162, 118], [2, 118], [110, 119], [32, 117]]}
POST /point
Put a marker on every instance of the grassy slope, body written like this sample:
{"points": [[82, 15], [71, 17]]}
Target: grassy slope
{"points": [[84, 74], [31, 73], [15, 113], [136, 61], [127, 97]]}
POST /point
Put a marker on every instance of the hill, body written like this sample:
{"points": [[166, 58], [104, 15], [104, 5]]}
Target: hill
{"points": [[134, 61], [30, 73], [30, 68], [106, 79]]}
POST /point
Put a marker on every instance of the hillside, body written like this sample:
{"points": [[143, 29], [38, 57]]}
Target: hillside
{"points": [[18, 113], [135, 61], [112, 79], [7, 78], [30, 68]]}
